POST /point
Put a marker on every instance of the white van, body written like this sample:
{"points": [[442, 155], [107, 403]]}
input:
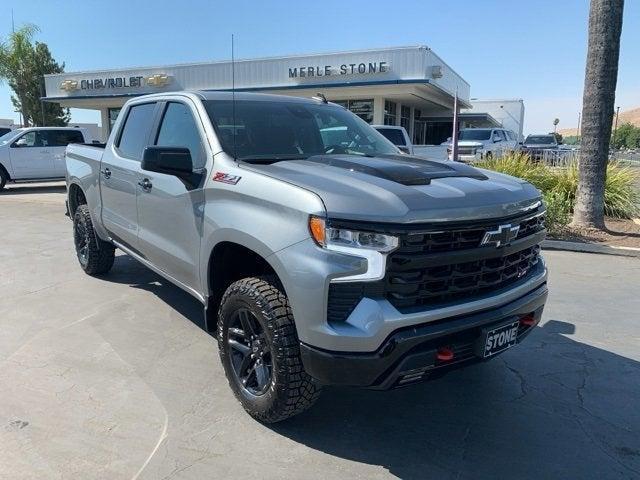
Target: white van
{"points": [[36, 153]]}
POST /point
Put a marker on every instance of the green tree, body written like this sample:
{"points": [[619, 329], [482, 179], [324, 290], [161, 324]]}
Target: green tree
{"points": [[558, 137], [627, 136], [601, 76], [23, 65]]}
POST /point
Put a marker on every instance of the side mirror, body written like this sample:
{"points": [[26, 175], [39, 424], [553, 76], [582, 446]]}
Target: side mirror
{"points": [[403, 149], [21, 142], [174, 161]]}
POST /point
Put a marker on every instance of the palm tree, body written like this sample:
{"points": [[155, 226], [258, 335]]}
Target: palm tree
{"points": [[605, 25], [14, 55]]}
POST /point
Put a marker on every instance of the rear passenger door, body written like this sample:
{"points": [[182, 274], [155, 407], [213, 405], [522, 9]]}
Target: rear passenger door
{"points": [[56, 144], [170, 215], [119, 171]]}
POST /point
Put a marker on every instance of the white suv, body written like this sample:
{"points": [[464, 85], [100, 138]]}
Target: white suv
{"points": [[36, 153], [481, 143]]}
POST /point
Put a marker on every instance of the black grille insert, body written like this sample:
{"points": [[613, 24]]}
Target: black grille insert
{"points": [[437, 266]]}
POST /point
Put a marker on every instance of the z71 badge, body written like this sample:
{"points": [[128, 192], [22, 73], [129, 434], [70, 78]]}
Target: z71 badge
{"points": [[226, 178]]}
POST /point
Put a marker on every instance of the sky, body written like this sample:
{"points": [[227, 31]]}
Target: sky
{"points": [[532, 50]]}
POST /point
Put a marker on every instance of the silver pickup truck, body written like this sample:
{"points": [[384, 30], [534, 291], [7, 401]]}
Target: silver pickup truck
{"points": [[321, 253]]}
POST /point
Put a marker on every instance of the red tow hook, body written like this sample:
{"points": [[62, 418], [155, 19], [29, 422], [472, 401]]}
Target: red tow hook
{"points": [[444, 354], [528, 320]]}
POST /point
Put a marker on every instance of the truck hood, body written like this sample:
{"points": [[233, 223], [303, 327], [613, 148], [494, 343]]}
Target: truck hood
{"points": [[404, 189], [467, 143]]}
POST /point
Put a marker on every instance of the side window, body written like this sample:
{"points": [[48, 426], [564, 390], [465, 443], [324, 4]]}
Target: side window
{"points": [[135, 132], [30, 139], [62, 138], [499, 134], [179, 129]]}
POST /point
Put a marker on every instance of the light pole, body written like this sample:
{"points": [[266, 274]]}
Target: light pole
{"points": [[556, 121], [578, 131], [615, 128]]}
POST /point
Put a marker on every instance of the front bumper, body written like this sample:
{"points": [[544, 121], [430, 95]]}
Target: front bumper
{"points": [[409, 355]]}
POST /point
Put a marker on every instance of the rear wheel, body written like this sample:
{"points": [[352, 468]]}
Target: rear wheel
{"points": [[260, 352], [95, 256]]}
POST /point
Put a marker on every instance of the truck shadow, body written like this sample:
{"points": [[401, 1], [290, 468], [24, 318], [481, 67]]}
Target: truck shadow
{"points": [[552, 407]]}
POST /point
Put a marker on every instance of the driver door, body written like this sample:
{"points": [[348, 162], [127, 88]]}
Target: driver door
{"points": [[170, 215], [30, 157]]}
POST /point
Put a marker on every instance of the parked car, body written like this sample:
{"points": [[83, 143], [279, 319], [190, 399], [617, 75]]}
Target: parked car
{"points": [[36, 153], [481, 143], [398, 136], [535, 145], [317, 263]]}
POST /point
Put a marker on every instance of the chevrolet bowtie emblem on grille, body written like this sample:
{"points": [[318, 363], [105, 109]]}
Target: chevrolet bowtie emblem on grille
{"points": [[69, 85], [158, 80], [502, 236]]}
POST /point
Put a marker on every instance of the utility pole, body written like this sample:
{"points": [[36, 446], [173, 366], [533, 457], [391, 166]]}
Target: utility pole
{"points": [[615, 128], [13, 24], [578, 131], [454, 135]]}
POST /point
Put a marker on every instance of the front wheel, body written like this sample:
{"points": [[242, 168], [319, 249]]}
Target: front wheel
{"points": [[260, 352], [3, 178], [95, 256]]}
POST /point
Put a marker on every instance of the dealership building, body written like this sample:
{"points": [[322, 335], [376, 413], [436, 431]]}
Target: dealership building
{"points": [[408, 86]]}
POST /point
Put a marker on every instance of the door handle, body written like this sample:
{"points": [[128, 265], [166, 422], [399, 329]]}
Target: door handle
{"points": [[106, 172], [146, 185]]}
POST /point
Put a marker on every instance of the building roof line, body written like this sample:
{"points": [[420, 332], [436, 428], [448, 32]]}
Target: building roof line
{"points": [[244, 60]]}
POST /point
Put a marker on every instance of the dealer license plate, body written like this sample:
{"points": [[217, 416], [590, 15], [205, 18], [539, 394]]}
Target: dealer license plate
{"points": [[498, 339]]}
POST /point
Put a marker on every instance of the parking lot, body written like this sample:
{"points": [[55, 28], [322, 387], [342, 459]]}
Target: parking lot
{"points": [[114, 378]]}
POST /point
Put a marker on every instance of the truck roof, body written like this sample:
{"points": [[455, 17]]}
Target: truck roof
{"points": [[228, 95]]}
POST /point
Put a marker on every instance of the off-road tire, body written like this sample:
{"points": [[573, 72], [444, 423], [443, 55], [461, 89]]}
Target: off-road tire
{"points": [[99, 255], [291, 389]]}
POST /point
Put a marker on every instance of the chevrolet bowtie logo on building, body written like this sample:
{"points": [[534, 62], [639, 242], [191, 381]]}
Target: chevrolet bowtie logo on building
{"points": [[502, 236], [158, 80], [69, 85]]}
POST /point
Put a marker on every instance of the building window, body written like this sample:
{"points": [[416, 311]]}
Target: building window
{"points": [[113, 116], [362, 108], [389, 112], [405, 117]]}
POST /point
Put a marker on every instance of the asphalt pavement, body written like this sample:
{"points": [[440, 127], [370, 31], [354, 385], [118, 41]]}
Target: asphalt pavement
{"points": [[113, 377]]}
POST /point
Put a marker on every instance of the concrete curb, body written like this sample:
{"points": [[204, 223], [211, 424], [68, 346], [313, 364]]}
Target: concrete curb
{"points": [[590, 248]]}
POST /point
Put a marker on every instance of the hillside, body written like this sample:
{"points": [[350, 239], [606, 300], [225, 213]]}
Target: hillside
{"points": [[631, 116]]}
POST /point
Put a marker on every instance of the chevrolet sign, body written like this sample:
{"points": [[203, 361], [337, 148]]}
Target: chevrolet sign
{"points": [[157, 80]]}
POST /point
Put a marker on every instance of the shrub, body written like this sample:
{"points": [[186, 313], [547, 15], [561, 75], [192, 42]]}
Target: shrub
{"points": [[559, 186]]}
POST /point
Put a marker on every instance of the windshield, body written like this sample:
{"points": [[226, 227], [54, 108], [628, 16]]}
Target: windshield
{"points": [[540, 140], [394, 135], [475, 134], [292, 130], [7, 137]]}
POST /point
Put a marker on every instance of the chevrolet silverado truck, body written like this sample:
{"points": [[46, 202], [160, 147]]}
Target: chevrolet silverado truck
{"points": [[316, 263]]}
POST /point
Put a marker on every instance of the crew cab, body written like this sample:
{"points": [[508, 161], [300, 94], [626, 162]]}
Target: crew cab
{"points": [[482, 143], [36, 153], [320, 253], [398, 136]]}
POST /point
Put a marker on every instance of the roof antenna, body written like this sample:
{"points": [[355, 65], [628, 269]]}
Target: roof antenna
{"points": [[233, 98], [321, 97]]}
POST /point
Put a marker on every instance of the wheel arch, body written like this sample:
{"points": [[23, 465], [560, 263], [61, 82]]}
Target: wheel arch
{"points": [[4, 170], [229, 261], [76, 197]]}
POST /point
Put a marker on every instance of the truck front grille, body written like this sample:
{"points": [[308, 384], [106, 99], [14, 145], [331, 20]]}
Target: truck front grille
{"points": [[433, 267]]}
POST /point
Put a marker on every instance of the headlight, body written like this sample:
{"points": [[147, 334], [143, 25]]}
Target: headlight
{"points": [[331, 237], [371, 246]]}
